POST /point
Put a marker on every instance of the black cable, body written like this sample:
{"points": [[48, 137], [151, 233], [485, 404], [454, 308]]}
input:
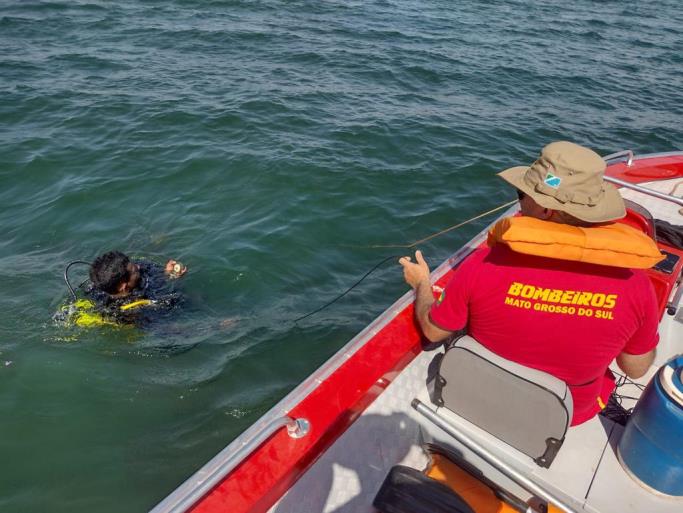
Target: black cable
{"points": [[347, 290], [615, 409], [408, 246], [66, 275]]}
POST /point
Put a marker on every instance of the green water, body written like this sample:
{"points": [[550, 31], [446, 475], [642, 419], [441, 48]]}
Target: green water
{"points": [[264, 144]]}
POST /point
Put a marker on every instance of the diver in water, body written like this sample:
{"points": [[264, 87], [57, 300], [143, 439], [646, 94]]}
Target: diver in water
{"points": [[128, 291], [122, 291]]}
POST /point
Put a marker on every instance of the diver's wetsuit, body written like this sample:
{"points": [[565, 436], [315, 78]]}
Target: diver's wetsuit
{"points": [[154, 286]]}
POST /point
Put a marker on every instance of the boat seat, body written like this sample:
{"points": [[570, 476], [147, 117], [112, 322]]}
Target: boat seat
{"points": [[528, 409], [639, 217]]}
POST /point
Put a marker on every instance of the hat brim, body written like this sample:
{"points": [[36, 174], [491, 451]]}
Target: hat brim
{"points": [[610, 208]]}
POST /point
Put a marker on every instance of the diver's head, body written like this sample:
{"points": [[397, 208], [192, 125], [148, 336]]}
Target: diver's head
{"points": [[114, 273]]}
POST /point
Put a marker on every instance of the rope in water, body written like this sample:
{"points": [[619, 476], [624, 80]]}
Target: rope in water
{"points": [[408, 246]]}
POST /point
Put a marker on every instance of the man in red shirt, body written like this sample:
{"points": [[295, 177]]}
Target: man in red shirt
{"points": [[568, 318]]}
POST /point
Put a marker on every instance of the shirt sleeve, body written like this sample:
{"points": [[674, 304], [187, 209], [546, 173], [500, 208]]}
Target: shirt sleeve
{"points": [[645, 338], [450, 311]]}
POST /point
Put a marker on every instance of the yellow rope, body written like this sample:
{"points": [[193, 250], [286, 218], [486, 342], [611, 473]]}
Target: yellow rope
{"points": [[505, 205]]}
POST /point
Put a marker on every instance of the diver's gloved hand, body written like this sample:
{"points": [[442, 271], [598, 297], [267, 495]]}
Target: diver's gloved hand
{"points": [[175, 269]]}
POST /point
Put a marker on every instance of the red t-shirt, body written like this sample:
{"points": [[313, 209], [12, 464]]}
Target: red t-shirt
{"points": [[569, 319]]}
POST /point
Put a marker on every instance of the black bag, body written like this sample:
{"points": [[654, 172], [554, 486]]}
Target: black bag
{"points": [[406, 490], [668, 233]]}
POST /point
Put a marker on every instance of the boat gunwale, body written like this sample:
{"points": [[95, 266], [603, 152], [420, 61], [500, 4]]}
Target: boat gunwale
{"points": [[618, 156], [301, 392], [297, 395]]}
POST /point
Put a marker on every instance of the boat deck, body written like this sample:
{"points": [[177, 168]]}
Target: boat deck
{"points": [[357, 408], [586, 472]]}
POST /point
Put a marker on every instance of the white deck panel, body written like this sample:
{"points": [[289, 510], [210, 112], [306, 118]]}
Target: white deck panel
{"points": [[578, 459], [569, 476], [612, 481], [659, 209], [346, 478], [614, 491]]}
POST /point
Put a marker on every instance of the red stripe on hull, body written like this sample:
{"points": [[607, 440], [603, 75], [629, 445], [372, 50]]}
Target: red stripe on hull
{"points": [[333, 406]]}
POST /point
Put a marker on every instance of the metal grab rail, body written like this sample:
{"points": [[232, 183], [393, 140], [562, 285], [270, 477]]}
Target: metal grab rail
{"points": [[645, 190], [638, 188], [625, 153], [206, 478], [490, 458]]}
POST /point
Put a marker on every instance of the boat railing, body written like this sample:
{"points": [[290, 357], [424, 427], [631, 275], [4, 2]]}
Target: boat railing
{"points": [[628, 155], [645, 190], [211, 474], [490, 458], [624, 153]]}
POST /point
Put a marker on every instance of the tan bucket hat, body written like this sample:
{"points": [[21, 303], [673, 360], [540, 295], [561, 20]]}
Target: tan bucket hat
{"points": [[568, 177]]}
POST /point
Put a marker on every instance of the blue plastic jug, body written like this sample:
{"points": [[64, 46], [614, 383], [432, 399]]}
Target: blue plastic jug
{"points": [[651, 447]]}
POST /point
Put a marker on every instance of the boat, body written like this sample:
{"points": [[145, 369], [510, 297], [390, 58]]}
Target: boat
{"points": [[329, 445]]}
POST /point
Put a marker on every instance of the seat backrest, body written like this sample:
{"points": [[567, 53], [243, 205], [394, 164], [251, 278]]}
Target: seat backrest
{"points": [[525, 408], [638, 217]]}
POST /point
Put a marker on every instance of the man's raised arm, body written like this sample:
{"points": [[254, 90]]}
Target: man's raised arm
{"points": [[416, 275]]}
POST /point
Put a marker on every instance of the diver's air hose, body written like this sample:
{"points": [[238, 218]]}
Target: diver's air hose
{"points": [[66, 275]]}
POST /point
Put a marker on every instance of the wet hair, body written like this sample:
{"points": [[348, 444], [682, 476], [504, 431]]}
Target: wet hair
{"points": [[109, 270]]}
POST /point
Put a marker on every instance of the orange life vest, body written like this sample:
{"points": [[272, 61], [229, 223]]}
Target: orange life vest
{"points": [[613, 244]]}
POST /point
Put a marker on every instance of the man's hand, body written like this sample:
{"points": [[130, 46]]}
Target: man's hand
{"points": [[175, 269], [415, 274]]}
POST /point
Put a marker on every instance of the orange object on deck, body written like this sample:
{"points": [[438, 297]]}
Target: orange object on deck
{"points": [[480, 497]]}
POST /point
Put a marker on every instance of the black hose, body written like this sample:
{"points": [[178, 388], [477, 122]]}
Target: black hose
{"points": [[347, 290], [66, 275]]}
